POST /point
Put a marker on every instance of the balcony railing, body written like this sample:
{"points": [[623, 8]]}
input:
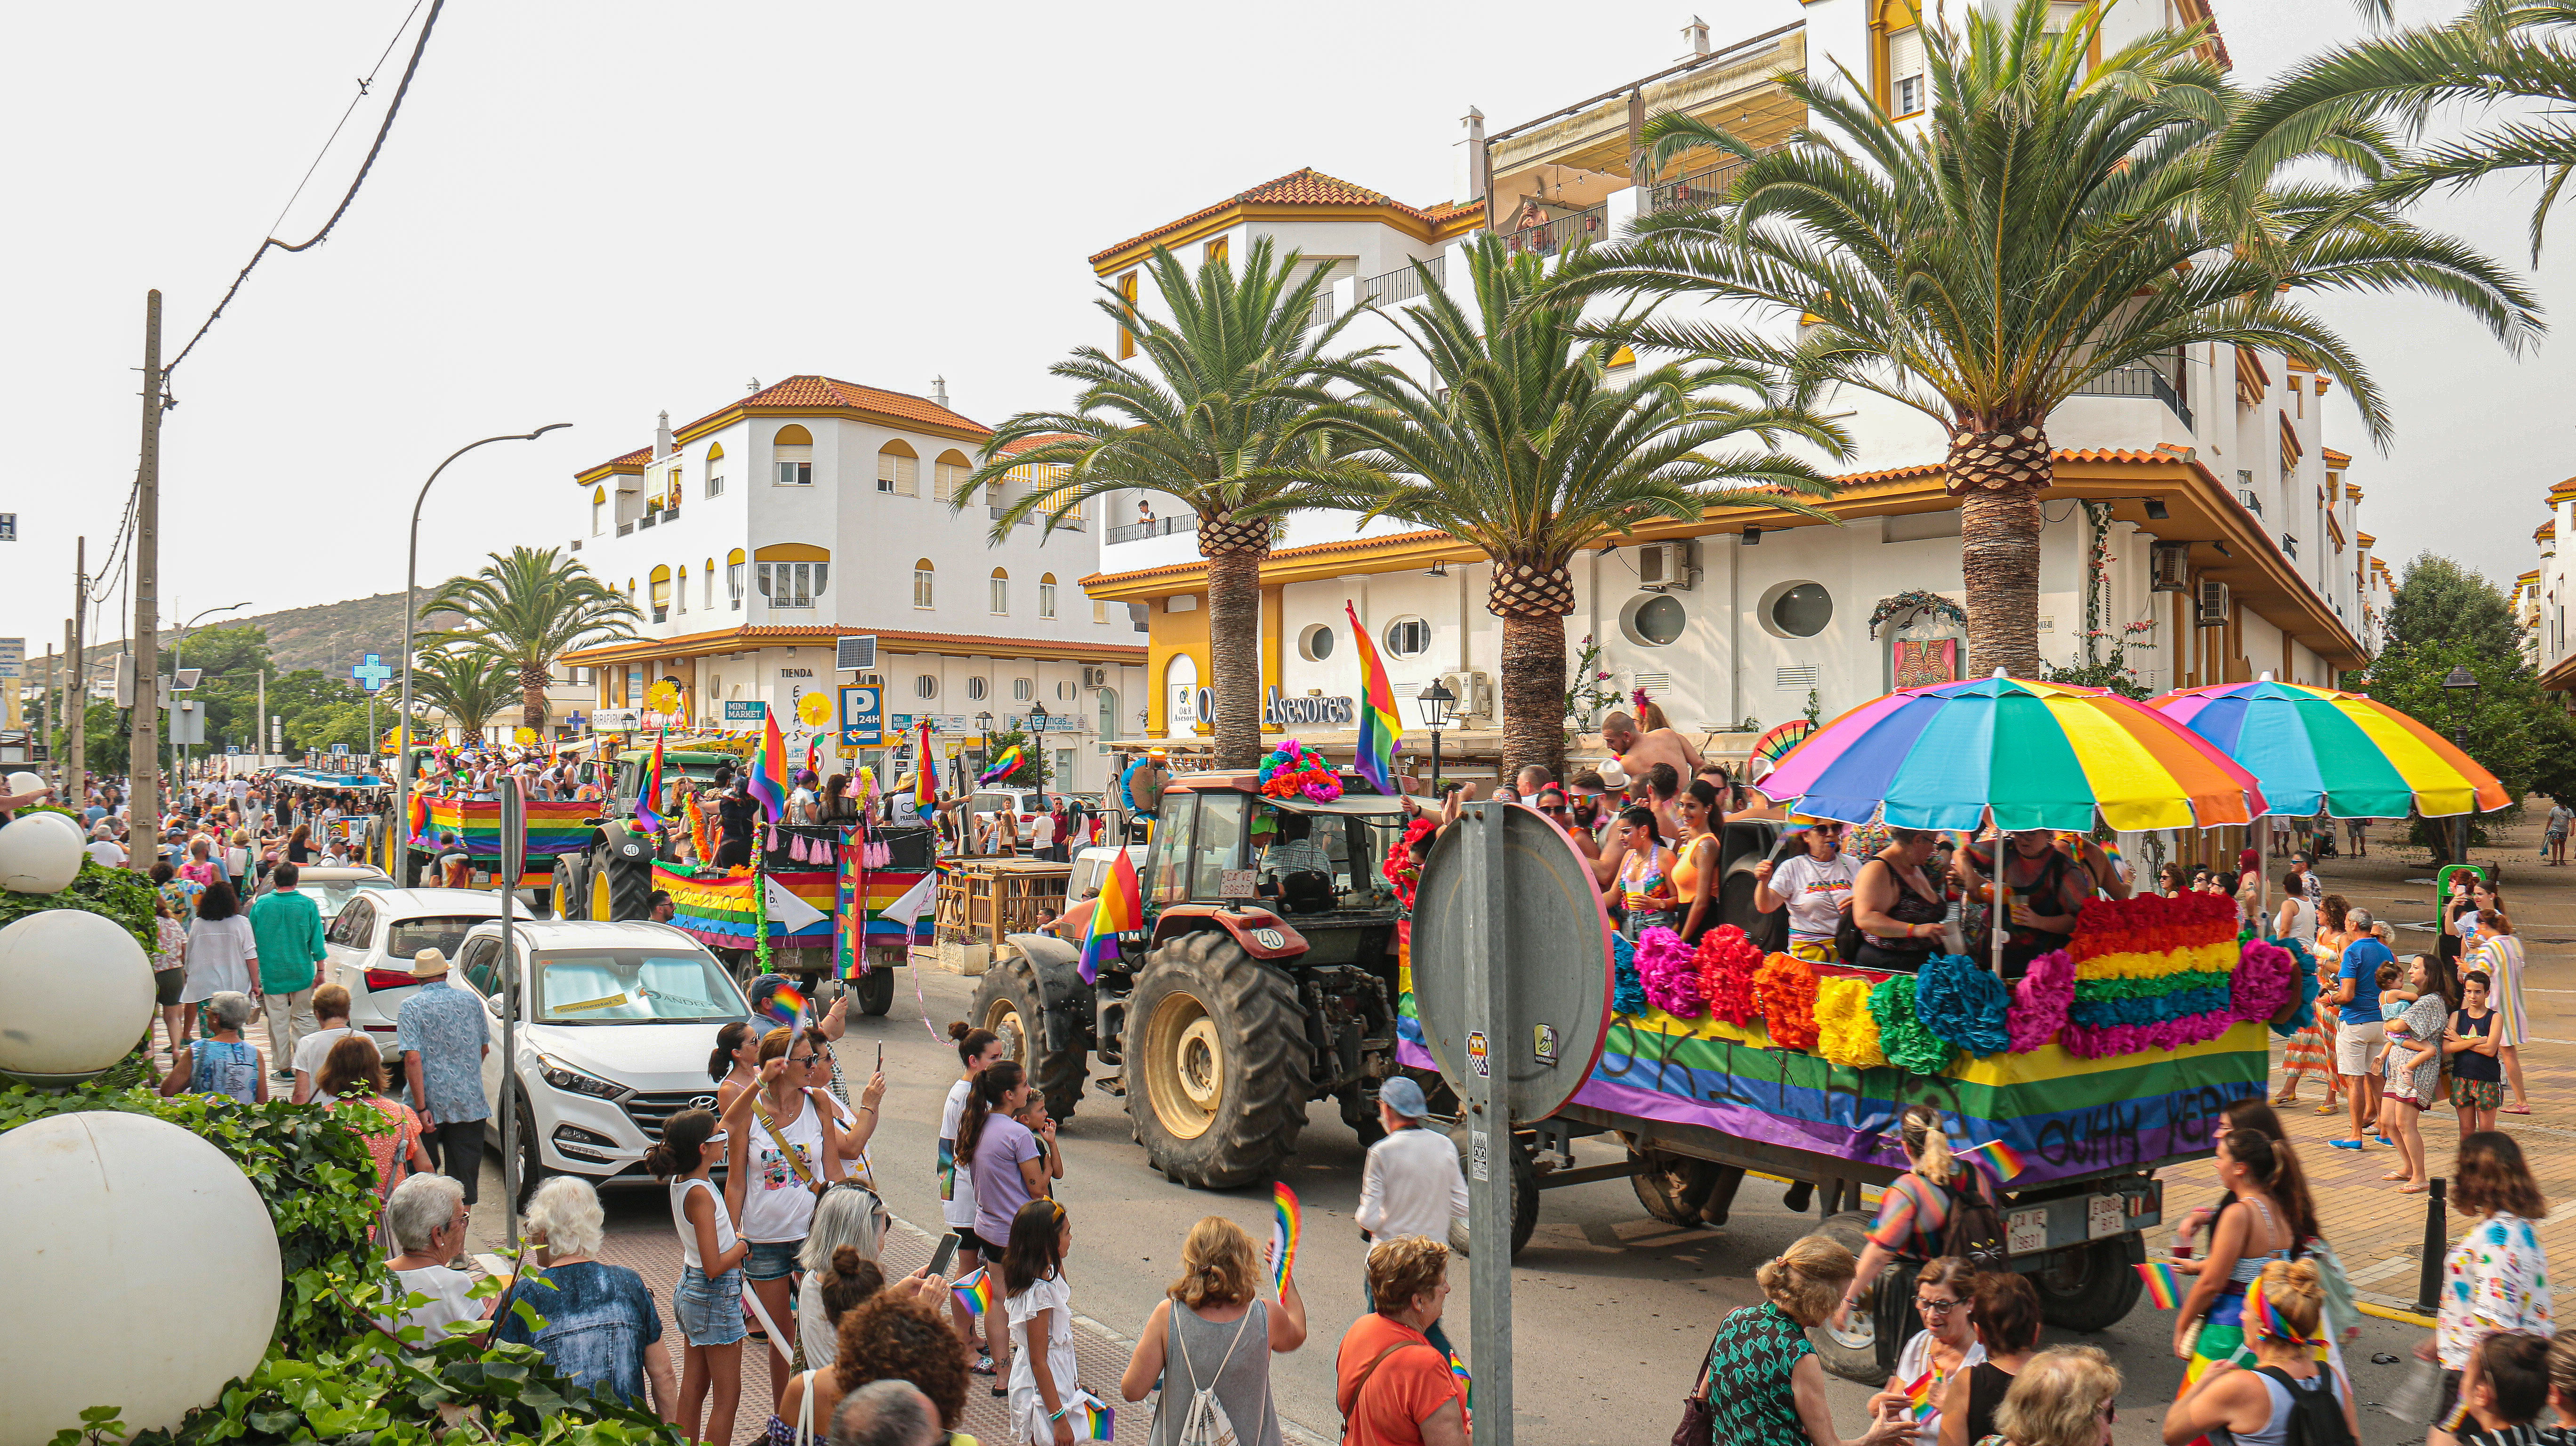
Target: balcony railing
{"points": [[1159, 527], [1697, 188], [625, 529], [2138, 380], [1554, 236], [2253, 502], [648, 519], [1322, 315], [2289, 547], [1403, 283], [670, 514]]}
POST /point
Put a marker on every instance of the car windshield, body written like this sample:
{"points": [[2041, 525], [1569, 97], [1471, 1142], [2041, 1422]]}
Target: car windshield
{"points": [[333, 895], [442, 932], [616, 986]]}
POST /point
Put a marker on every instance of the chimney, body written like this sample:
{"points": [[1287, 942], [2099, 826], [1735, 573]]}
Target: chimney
{"points": [[1697, 34], [939, 390], [1470, 181], [662, 437]]}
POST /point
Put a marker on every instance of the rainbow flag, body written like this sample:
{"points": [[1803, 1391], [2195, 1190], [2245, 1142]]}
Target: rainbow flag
{"points": [[1003, 767], [554, 827], [1381, 727], [925, 774], [1093, 1421], [649, 792], [1287, 1221], [419, 814], [767, 778], [1120, 909], [1997, 1157], [720, 909], [975, 1292], [787, 1006], [1918, 1396], [2163, 1286]]}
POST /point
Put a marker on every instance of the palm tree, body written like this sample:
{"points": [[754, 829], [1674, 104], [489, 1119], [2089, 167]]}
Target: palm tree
{"points": [[528, 609], [1520, 443], [1218, 418], [2499, 52], [466, 684], [2050, 223]]}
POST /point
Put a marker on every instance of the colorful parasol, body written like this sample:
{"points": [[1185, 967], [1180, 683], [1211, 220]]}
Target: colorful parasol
{"points": [[2358, 757], [2040, 755], [1775, 744]]}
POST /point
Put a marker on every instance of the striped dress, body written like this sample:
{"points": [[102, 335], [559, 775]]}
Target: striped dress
{"points": [[2311, 1050], [2501, 956]]}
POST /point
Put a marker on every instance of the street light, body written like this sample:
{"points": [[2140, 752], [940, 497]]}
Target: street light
{"points": [[2462, 685], [179, 650], [411, 589], [1434, 702]]}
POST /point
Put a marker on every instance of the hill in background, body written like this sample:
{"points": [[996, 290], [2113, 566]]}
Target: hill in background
{"points": [[330, 636]]}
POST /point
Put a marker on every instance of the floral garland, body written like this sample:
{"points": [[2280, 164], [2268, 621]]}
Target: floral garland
{"points": [[1627, 993], [1670, 974], [697, 816], [2094, 991], [1403, 868], [1931, 602], [1908, 1045], [1786, 987], [1293, 768], [2104, 1013], [1961, 1004], [1726, 962], [1845, 1032], [2040, 1002], [2266, 981], [2152, 924]]}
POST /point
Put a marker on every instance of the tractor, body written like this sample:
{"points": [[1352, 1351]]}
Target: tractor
{"points": [[1265, 977]]}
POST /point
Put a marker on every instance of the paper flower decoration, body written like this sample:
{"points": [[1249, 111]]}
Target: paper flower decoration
{"points": [[1961, 1004], [1293, 770], [1627, 993], [2040, 1002], [1901, 1036], [1726, 963], [1845, 1032], [1785, 988], [1671, 979]]}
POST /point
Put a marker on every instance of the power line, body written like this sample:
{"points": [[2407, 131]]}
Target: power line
{"points": [[410, 68]]}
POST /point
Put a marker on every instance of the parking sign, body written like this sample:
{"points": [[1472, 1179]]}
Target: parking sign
{"points": [[862, 716]]}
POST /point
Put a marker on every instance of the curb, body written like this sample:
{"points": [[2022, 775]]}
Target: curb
{"points": [[2402, 1317]]}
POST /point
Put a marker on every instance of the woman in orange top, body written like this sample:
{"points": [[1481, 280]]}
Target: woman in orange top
{"points": [[1695, 859]]}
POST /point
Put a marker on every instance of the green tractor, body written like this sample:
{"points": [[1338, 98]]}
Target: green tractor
{"points": [[1265, 977], [613, 879]]}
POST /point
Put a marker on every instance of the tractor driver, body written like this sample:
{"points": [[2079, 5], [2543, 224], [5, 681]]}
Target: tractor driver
{"points": [[1295, 869]]}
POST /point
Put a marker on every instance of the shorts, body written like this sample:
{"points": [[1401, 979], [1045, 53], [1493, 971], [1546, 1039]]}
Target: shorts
{"points": [[772, 1259], [2357, 1046], [968, 1240], [167, 985], [1814, 951], [2477, 1094], [709, 1311]]}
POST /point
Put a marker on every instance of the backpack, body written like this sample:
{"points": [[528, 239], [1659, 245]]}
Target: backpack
{"points": [[1206, 1423], [1975, 1229], [2316, 1412]]}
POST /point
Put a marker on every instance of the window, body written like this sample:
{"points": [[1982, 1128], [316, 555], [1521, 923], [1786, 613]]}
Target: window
{"points": [[715, 472], [976, 688], [1046, 596], [2063, 16], [951, 477], [1099, 610], [1021, 689], [792, 584], [1796, 609], [1127, 294], [710, 575], [1408, 637], [793, 450], [898, 469], [1905, 70], [1109, 715], [733, 577], [1216, 250], [1064, 692], [921, 583], [1001, 599], [925, 685], [598, 510], [680, 593], [1654, 620], [1315, 644]]}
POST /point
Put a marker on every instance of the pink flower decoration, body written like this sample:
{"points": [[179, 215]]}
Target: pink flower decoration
{"points": [[1664, 964], [2265, 975], [2040, 1001], [2164, 1034]]}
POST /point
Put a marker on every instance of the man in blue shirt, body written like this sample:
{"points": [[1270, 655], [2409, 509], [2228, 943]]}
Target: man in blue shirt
{"points": [[2360, 1030], [443, 1036]]}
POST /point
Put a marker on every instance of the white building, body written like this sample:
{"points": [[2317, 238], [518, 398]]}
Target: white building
{"points": [[757, 536], [2228, 527]]}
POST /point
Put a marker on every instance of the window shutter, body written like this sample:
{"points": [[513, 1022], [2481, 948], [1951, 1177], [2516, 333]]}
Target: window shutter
{"points": [[1905, 70]]}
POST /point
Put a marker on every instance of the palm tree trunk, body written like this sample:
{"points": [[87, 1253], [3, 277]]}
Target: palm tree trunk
{"points": [[1998, 477], [1533, 693], [532, 697], [1234, 551]]}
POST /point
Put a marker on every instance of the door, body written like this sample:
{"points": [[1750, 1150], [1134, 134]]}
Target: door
{"points": [[478, 974], [1181, 697]]}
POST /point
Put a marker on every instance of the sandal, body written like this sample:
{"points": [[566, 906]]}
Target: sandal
{"points": [[2396, 1175], [2518, 1110], [984, 1365], [2329, 1109]]}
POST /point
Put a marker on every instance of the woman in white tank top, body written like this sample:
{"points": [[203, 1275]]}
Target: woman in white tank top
{"points": [[708, 1300]]}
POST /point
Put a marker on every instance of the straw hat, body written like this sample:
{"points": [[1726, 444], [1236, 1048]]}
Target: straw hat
{"points": [[428, 964]]}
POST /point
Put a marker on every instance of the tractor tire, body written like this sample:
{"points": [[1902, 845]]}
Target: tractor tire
{"points": [[572, 886], [621, 870], [1866, 1350], [873, 991], [1524, 1178], [1216, 1060], [2091, 1289], [1010, 1000]]}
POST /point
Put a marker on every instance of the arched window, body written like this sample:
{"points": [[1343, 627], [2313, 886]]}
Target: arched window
{"points": [[1021, 689], [680, 591], [734, 564], [598, 510], [921, 580], [710, 576], [952, 474], [715, 470], [1046, 596], [925, 685], [976, 689], [899, 469], [793, 450], [1108, 715], [661, 594], [1180, 696], [1000, 603], [791, 574]]}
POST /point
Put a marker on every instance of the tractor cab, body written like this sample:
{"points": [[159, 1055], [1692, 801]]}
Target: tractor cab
{"points": [[1315, 864]]}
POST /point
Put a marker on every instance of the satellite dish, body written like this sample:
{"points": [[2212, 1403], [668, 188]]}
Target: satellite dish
{"points": [[1557, 964]]}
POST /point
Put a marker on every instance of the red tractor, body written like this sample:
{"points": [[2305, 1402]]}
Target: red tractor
{"points": [[1265, 978]]}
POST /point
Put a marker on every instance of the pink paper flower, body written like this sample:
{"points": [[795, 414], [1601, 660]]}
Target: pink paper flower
{"points": [[1672, 981], [2040, 1001]]}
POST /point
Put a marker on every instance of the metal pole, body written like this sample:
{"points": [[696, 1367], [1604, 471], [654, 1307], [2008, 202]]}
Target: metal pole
{"points": [[75, 711], [411, 603], [511, 993], [2437, 1242], [1489, 1129], [259, 725], [143, 742], [1435, 764], [75, 645]]}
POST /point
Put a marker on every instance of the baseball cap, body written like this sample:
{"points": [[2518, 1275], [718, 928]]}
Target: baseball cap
{"points": [[1404, 1097]]}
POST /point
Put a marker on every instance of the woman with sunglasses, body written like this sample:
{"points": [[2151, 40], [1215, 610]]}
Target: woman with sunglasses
{"points": [[1947, 1346], [794, 1150], [1644, 883]]}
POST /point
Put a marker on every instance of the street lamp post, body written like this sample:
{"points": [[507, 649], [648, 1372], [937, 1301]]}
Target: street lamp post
{"points": [[178, 653], [2462, 685], [411, 589], [1434, 702]]}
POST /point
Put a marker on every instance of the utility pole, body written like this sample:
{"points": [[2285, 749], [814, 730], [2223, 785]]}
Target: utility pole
{"points": [[52, 678], [78, 699], [259, 725], [143, 751]]}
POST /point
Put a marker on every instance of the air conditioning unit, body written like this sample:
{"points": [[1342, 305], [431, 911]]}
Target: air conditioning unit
{"points": [[2213, 603], [2167, 563], [1474, 691], [1095, 677], [1667, 566]]}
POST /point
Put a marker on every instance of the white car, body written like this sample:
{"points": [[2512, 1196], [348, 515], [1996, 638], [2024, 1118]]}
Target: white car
{"points": [[616, 1022], [372, 940], [334, 885]]}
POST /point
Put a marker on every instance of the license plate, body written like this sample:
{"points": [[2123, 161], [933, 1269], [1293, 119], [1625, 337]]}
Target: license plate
{"points": [[2026, 1231], [2105, 1215]]}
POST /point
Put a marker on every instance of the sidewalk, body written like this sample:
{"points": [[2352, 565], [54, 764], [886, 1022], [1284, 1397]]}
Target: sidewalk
{"points": [[2377, 1232]]}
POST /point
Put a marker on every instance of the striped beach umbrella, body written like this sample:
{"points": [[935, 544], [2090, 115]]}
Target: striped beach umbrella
{"points": [[2311, 746], [2039, 755]]}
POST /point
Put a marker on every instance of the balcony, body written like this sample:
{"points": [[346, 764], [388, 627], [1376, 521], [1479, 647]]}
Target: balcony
{"points": [[2289, 547], [1322, 315], [1697, 188], [1403, 283], [647, 520], [2139, 380], [626, 529], [2253, 503], [1159, 527], [1552, 237]]}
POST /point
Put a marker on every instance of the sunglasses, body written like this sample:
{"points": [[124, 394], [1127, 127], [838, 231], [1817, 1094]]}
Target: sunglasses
{"points": [[804, 1059]]}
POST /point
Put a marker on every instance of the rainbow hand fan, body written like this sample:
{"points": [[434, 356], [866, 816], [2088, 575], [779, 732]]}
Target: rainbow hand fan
{"points": [[1287, 1220]]}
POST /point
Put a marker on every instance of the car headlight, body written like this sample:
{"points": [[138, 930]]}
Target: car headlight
{"points": [[564, 1077]]}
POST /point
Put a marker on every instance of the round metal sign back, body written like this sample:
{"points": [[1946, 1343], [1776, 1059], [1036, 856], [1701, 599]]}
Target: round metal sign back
{"points": [[1555, 937]]}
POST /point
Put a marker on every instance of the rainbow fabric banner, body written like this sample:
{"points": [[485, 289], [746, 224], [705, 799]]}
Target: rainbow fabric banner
{"points": [[1121, 910], [1381, 727], [649, 792], [925, 771], [1287, 1222], [721, 910], [1004, 765], [554, 828], [872, 906], [767, 776]]}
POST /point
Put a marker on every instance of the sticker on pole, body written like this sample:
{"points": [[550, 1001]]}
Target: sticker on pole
{"points": [[1476, 1152], [1479, 1060]]}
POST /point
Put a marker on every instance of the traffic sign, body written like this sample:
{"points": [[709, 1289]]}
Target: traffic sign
{"points": [[8, 526], [514, 830], [339, 748], [862, 716], [371, 674]]}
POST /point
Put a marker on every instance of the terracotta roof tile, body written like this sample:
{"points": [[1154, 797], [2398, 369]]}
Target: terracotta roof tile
{"points": [[636, 458], [820, 391], [1042, 439], [1306, 187], [764, 633], [2336, 459]]}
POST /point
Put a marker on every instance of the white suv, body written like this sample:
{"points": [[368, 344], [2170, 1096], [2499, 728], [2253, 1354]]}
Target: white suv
{"points": [[616, 1022], [375, 934]]}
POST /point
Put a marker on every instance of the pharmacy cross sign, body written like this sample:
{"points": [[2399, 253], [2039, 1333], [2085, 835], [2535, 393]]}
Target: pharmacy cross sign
{"points": [[372, 673]]}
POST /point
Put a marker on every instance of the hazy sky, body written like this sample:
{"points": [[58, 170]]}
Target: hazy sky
{"points": [[592, 212]]}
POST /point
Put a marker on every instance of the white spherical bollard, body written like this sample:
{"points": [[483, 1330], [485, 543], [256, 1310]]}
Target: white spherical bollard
{"points": [[75, 994], [23, 782], [37, 857], [158, 1264]]}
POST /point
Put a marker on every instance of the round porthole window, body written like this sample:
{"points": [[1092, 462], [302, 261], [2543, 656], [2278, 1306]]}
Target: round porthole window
{"points": [[1315, 644], [1797, 609], [1654, 620], [1408, 637], [976, 688]]}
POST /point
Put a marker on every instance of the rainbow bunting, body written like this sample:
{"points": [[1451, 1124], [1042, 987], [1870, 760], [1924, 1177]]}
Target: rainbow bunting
{"points": [[1999, 1159], [1381, 727], [2163, 1286], [767, 779], [975, 1292], [1286, 1222], [1004, 765], [787, 1006], [1918, 1395], [649, 792], [1120, 909]]}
